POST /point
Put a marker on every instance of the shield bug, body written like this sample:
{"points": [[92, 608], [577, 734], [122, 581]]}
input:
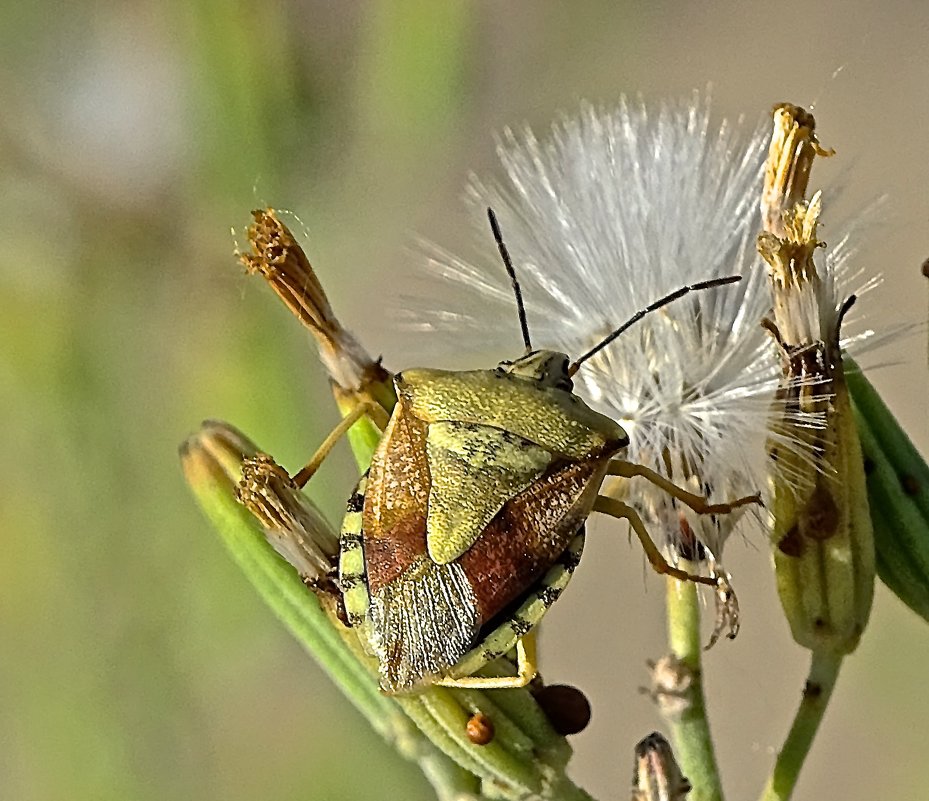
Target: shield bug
{"points": [[470, 520]]}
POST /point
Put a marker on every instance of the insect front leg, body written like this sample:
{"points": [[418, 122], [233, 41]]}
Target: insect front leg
{"points": [[526, 669], [616, 508], [698, 503], [375, 411], [263, 480]]}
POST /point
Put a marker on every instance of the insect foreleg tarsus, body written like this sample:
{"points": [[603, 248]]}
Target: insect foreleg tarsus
{"points": [[526, 669], [616, 508], [370, 408], [698, 503]]}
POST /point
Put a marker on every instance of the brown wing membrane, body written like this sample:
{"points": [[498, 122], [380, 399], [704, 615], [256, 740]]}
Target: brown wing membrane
{"points": [[422, 623]]}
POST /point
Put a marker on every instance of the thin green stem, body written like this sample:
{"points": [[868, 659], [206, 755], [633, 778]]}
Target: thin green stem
{"points": [[824, 670], [689, 725]]}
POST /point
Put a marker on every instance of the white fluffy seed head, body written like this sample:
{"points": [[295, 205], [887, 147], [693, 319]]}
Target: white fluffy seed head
{"points": [[616, 208]]}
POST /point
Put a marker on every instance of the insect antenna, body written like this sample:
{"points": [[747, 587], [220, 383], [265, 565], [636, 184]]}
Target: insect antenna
{"points": [[508, 263], [679, 293]]}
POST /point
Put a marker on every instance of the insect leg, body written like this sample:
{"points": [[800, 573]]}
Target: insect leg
{"points": [[368, 407], [698, 503], [525, 670], [615, 508]]}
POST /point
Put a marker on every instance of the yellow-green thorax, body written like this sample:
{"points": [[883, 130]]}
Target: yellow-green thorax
{"points": [[531, 397]]}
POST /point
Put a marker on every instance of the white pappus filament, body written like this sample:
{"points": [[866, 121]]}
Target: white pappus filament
{"points": [[614, 209]]}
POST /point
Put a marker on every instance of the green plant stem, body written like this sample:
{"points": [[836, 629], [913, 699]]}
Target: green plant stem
{"points": [[691, 728], [526, 758], [824, 670], [451, 782]]}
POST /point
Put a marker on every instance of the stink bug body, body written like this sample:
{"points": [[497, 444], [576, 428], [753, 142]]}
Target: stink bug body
{"points": [[481, 482], [470, 520]]}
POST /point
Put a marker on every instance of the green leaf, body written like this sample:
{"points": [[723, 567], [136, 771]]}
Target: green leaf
{"points": [[898, 491]]}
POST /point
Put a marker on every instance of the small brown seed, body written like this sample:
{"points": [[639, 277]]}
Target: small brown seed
{"points": [[480, 729], [566, 707]]}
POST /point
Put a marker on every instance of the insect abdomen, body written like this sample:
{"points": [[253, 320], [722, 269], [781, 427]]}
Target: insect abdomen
{"points": [[353, 580]]}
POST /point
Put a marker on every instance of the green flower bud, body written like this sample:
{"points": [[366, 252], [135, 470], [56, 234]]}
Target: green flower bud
{"points": [[824, 550], [822, 535]]}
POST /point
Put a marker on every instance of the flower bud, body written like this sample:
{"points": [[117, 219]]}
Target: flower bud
{"points": [[824, 549], [822, 534], [656, 775], [292, 523]]}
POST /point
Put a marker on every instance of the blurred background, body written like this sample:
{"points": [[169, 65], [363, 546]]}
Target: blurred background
{"points": [[135, 662]]}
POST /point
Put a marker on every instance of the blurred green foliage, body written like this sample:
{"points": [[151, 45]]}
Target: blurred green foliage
{"points": [[137, 663], [135, 660]]}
